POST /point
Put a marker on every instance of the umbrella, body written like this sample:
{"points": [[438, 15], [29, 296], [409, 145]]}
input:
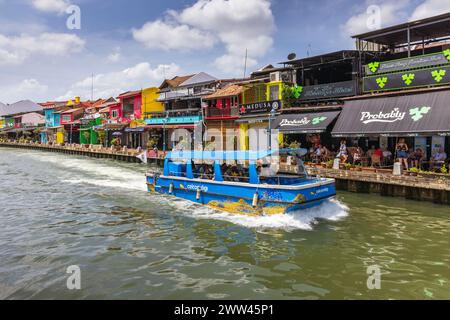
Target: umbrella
{"points": [[117, 134]]}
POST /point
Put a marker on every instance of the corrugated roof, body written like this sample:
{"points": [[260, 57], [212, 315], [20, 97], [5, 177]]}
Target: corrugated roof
{"points": [[171, 95], [24, 106], [130, 93], [228, 91], [175, 82], [2, 109], [199, 78], [71, 111]]}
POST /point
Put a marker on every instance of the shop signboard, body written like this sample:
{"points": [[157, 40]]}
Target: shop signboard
{"points": [[406, 80], [423, 61]]}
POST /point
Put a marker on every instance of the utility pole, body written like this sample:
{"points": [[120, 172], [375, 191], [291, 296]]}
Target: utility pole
{"points": [[245, 63], [92, 88]]}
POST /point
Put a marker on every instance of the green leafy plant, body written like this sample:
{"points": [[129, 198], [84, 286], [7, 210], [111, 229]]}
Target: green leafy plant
{"points": [[444, 170], [330, 164], [295, 145], [115, 142], [296, 91], [101, 137], [152, 142], [87, 136], [414, 170]]}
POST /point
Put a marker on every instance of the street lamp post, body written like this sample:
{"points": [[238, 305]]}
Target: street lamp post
{"points": [[164, 131], [272, 115]]}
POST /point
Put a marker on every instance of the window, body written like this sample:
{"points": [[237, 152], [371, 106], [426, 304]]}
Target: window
{"points": [[274, 92], [257, 93], [115, 113], [66, 118]]}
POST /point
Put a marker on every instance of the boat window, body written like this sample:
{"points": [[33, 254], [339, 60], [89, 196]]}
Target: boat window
{"points": [[235, 173], [203, 171]]}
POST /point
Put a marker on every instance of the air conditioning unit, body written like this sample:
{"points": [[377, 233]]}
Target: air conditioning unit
{"points": [[287, 77], [275, 77]]}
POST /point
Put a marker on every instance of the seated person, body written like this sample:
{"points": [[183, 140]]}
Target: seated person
{"points": [[387, 156], [357, 155], [371, 151], [438, 159], [417, 158], [376, 157]]}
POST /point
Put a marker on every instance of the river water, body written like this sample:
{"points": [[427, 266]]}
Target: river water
{"points": [[57, 211]]}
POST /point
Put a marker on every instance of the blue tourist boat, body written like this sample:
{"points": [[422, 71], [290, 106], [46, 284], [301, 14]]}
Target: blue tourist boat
{"points": [[240, 182]]}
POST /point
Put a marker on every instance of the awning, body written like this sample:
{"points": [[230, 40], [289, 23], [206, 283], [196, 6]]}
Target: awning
{"points": [[114, 126], [137, 130], [253, 119], [418, 114], [175, 126], [315, 122]]}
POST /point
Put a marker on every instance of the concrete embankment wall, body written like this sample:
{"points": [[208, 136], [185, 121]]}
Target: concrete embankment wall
{"points": [[76, 151], [436, 189]]}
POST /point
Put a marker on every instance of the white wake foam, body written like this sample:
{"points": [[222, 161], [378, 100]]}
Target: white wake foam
{"points": [[331, 210], [108, 175]]}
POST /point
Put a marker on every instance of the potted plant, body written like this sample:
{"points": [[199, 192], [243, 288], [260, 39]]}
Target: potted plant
{"points": [[330, 164], [413, 172]]}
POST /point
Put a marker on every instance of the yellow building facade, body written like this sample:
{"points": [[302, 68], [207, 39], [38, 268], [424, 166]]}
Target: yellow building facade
{"points": [[259, 92], [150, 103]]}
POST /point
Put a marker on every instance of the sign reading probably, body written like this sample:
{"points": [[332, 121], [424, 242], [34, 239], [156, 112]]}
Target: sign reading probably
{"points": [[260, 107], [395, 115]]}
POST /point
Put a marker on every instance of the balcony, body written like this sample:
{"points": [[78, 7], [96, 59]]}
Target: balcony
{"points": [[181, 116], [227, 113]]}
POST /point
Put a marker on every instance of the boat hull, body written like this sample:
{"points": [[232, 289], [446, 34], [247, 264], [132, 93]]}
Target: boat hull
{"points": [[240, 198]]}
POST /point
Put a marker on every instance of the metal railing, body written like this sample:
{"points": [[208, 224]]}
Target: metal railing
{"points": [[222, 113]]}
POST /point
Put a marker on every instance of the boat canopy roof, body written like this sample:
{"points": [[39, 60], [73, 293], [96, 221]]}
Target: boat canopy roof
{"points": [[232, 155]]}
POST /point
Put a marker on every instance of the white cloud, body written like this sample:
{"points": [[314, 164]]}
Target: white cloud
{"points": [[168, 36], [239, 25], [391, 13], [115, 56], [430, 8], [16, 49], [58, 6], [114, 83], [27, 89]]}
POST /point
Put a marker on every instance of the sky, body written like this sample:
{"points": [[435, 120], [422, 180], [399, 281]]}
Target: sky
{"points": [[122, 45]]}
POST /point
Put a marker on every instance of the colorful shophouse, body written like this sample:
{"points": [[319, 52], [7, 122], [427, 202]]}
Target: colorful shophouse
{"points": [[221, 112], [54, 132], [183, 103], [405, 88], [2, 115], [261, 101], [91, 124], [315, 96]]}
